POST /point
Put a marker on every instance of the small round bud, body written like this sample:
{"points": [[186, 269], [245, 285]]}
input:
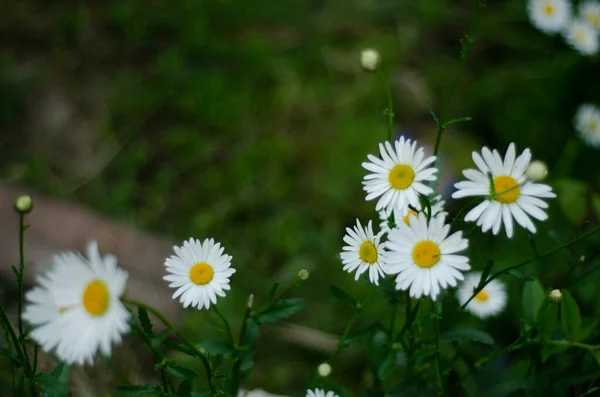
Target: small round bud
{"points": [[555, 296], [23, 204], [324, 370], [202, 350], [537, 171], [250, 301], [582, 258], [303, 275], [369, 59]]}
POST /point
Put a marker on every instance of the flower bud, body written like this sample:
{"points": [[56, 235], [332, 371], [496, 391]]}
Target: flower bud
{"points": [[555, 296], [536, 171], [250, 301], [369, 59], [303, 275], [23, 204], [324, 370]]}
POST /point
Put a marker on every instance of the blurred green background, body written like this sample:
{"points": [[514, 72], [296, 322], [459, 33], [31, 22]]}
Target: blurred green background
{"points": [[248, 122]]}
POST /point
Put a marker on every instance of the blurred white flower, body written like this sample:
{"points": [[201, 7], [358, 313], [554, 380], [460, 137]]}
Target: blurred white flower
{"points": [[200, 271], [320, 393], [590, 11], [515, 196], [424, 257], [398, 176], [490, 301], [582, 36], [549, 16], [364, 252], [257, 393], [587, 123], [324, 369], [76, 309], [536, 171], [369, 59]]}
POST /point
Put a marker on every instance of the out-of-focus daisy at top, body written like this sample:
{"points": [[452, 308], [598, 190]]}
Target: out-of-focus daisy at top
{"points": [[437, 210], [320, 393], [76, 309], [587, 123], [490, 301], [513, 195], [364, 252], [424, 257], [582, 36], [398, 176], [590, 11], [200, 271], [257, 393], [549, 16]]}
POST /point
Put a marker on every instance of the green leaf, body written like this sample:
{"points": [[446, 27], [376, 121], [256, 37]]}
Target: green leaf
{"points": [[252, 332], [179, 371], [273, 290], [435, 118], [387, 365], [52, 385], [132, 390], [486, 272], [520, 276], [570, 316], [62, 371], [281, 309], [159, 338], [548, 321], [457, 120], [590, 391], [12, 356], [467, 334], [217, 348], [343, 296], [145, 321], [588, 325], [533, 298], [596, 204]]}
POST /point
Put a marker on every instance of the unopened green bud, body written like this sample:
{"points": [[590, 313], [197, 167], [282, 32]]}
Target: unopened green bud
{"points": [[555, 296], [23, 204], [324, 370], [303, 275]]}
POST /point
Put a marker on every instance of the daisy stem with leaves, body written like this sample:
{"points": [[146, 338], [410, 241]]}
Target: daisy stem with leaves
{"points": [[389, 111]]}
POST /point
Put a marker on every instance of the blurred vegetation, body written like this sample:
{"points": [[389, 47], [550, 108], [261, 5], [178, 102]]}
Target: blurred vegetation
{"points": [[248, 122]]}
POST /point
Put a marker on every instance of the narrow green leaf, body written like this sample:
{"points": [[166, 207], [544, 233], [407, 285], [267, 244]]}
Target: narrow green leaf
{"points": [[52, 385], [252, 332], [217, 348], [132, 390], [457, 120], [179, 371], [273, 291], [281, 309], [467, 334], [435, 118], [570, 316], [12, 356], [486, 272], [159, 338], [387, 365], [62, 372], [520, 276], [343, 295], [590, 391], [533, 297], [145, 321], [548, 321]]}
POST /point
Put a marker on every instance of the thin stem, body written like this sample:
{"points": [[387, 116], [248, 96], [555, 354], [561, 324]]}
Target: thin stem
{"points": [[393, 322], [168, 324], [390, 108], [227, 327], [238, 364], [21, 269], [407, 331], [508, 269], [437, 306]]}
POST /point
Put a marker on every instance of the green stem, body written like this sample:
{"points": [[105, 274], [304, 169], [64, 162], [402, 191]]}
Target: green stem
{"points": [[437, 306], [407, 332], [236, 367], [21, 269], [390, 108], [170, 327], [508, 269], [227, 327]]}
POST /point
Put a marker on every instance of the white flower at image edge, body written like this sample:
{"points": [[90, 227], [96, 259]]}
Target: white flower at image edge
{"points": [[424, 256], [200, 271], [549, 16], [515, 196], [590, 11], [257, 393], [398, 176], [583, 37], [76, 308], [437, 211], [364, 252], [320, 393], [587, 123], [490, 301]]}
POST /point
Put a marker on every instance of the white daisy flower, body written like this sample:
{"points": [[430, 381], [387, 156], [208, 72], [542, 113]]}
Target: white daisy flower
{"points": [[397, 177], [515, 196], [76, 309], [364, 252], [424, 257], [490, 301], [587, 123], [582, 36], [549, 16], [590, 11], [437, 210], [200, 271], [320, 393], [257, 393]]}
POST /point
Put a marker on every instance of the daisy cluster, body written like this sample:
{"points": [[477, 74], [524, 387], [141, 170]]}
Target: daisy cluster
{"points": [[77, 310], [579, 29], [415, 242]]}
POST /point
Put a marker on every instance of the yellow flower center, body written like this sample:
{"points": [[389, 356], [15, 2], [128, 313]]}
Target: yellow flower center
{"points": [[407, 219], [401, 176], [549, 9], [481, 296], [593, 18], [509, 186], [580, 36], [426, 254], [95, 298], [201, 273], [367, 252], [593, 126]]}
